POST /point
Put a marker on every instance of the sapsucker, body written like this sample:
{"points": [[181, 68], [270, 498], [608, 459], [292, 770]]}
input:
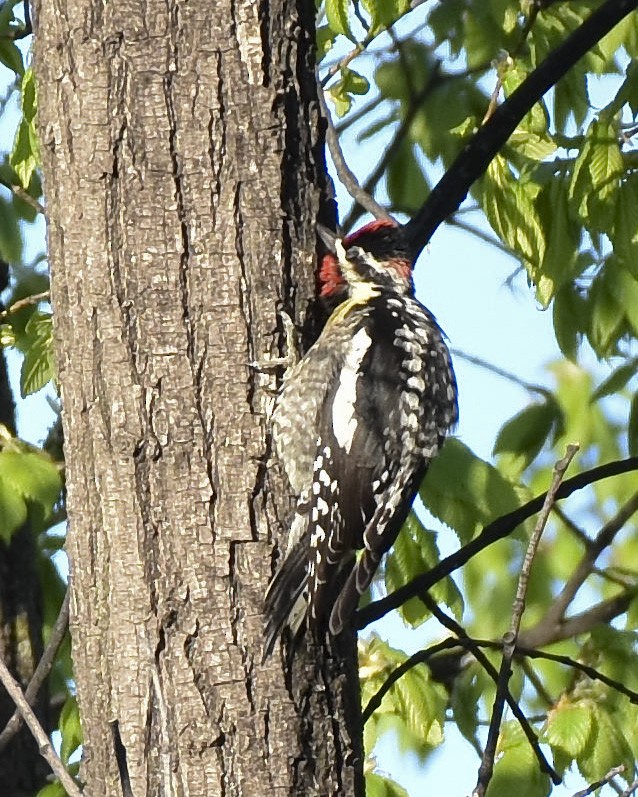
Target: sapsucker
{"points": [[356, 424]]}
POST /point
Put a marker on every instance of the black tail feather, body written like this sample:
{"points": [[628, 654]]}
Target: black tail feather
{"points": [[285, 604]]}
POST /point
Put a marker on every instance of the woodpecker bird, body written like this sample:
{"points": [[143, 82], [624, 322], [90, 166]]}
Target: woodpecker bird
{"points": [[356, 424]]}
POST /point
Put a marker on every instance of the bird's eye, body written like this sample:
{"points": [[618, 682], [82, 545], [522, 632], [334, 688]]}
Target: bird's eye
{"points": [[355, 253]]}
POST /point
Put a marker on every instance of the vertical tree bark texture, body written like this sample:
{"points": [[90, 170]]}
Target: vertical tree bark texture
{"points": [[22, 770], [183, 172]]}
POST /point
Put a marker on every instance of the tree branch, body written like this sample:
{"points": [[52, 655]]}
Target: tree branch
{"points": [[495, 531], [510, 638], [471, 163], [603, 612], [344, 173], [46, 748], [590, 672], [602, 782], [24, 195], [41, 671], [27, 301], [603, 539]]}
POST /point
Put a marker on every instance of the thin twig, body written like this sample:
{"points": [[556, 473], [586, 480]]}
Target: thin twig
{"points": [[510, 57], [510, 638], [24, 195], [41, 671], [434, 79], [486, 237], [604, 612], [631, 789], [345, 174], [494, 369], [603, 540], [46, 748], [590, 672], [602, 782], [27, 301], [468, 643], [496, 530]]}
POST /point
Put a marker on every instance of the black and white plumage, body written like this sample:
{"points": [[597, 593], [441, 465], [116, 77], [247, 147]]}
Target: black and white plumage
{"points": [[356, 424]]}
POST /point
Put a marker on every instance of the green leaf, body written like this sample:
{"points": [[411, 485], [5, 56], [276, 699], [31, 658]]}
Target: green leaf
{"points": [[70, 729], [325, 40], [25, 157], [509, 204], [526, 433], [536, 120], [596, 177], [13, 510], [405, 179], [38, 366], [516, 771], [337, 16], [606, 747], [54, 789], [34, 481], [632, 428], [464, 702], [616, 381], [625, 232], [606, 315], [570, 319], [464, 491], [351, 83], [11, 56], [569, 727], [560, 262], [10, 238], [628, 92], [383, 786], [384, 13], [413, 553]]}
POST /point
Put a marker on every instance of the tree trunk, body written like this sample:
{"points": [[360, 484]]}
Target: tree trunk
{"points": [[184, 174], [22, 770]]}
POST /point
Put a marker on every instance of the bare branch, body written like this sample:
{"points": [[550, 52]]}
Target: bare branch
{"points": [[494, 369], [509, 639], [46, 748], [603, 612], [345, 174], [41, 671], [27, 301], [496, 530], [602, 782], [590, 672], [603, 540], [24, 195]]}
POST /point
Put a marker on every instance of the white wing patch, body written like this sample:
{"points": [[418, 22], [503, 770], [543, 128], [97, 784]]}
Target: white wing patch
{"points": [[344, 423]]}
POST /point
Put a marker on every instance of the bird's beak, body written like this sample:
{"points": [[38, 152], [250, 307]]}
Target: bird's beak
{"points": [[328, 237]]}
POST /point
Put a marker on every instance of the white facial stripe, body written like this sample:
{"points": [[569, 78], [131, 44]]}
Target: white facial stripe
{"points": [[341, 251], [344, 423]]}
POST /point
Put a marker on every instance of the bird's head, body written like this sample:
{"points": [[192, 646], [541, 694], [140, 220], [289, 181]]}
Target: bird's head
{"points": [[376, 253]]}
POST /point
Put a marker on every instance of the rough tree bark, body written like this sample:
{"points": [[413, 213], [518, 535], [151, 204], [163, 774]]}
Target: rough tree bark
{"points": [[184, 173], [22, 770]]}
